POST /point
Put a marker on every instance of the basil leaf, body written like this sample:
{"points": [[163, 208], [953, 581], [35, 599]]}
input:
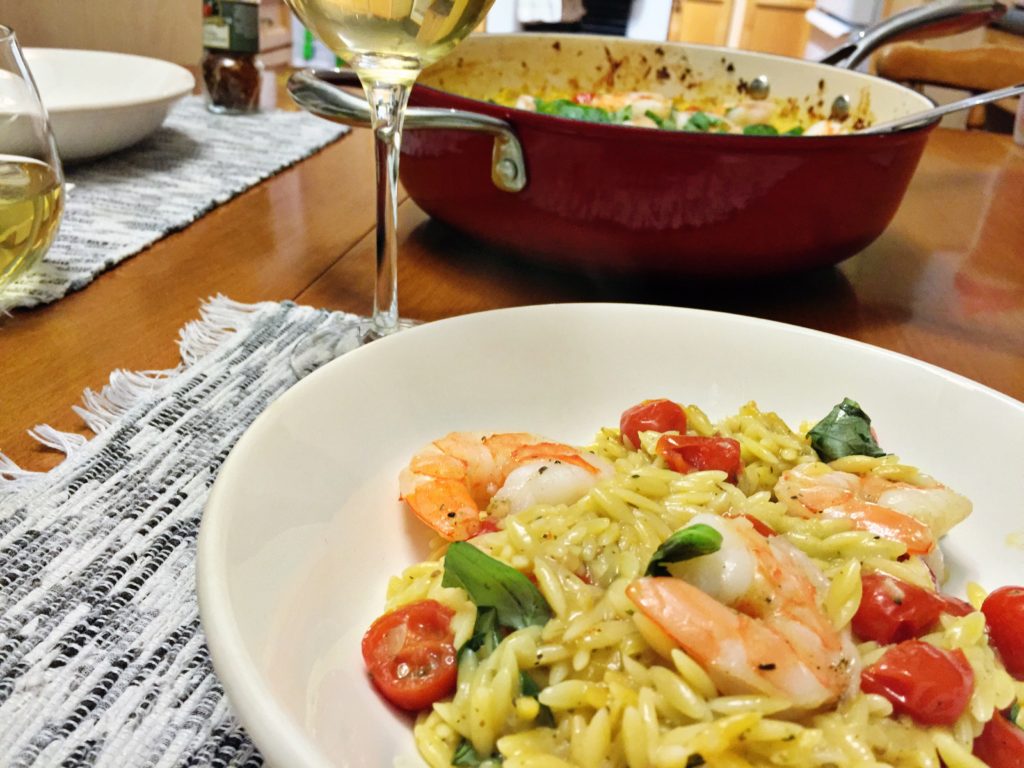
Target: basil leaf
{"points": [[700, 122], [760, 129], [846, 431], [573, 111], [1014, 713], [797, 130], [466, 755], [685, 544], [657, 120], [485, 633], [492, 584], [623, 115], [528, 687]]}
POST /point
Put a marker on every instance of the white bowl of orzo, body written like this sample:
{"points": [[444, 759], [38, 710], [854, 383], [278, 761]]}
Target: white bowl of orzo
{"points": [[608, 535]]}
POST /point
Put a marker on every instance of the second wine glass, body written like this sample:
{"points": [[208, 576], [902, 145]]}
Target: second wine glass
{"points": [[388, 43], [31, 178]]}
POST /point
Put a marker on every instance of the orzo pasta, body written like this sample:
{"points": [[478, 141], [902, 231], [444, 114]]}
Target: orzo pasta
{"points": [[683, 592]]}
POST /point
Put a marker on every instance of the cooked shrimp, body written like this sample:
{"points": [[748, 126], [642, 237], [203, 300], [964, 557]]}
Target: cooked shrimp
{"points": [[527, 102], [751, 112], [825, 128], [456, 482], [641, 101], [918, 516], [750, 615]]}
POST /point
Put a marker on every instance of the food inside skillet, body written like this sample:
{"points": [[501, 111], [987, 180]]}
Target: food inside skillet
{"points": [[768, 117]]}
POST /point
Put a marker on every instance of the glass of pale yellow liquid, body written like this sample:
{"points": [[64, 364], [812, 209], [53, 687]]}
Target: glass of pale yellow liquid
{"points": [[388, 43], [31, 179]]}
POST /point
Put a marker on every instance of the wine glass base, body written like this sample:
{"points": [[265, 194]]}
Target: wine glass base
{"points": [[333, 339]]}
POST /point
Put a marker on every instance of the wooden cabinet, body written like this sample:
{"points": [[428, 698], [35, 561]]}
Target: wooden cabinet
{"points": [[168, 29], [700, 21], [776, 26], [771, 26]]}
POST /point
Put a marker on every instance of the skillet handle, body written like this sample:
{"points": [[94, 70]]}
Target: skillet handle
{"points": [[931, 115], [317, 91], [935, 19]]}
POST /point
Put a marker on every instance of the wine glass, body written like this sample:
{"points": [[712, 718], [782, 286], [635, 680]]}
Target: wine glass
{"points": [[31, 178], [387, 43]]}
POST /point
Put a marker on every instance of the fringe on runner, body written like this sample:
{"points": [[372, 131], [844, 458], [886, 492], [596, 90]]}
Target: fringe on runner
{"points": [[220, 318]]}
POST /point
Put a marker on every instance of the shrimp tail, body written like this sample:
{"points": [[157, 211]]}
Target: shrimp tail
{"points": [[445, 505]]}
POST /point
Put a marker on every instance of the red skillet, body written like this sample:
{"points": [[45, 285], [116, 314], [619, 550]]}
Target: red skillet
{"points": [[640, 200]]}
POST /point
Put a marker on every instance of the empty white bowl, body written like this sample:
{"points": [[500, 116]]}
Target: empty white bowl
{"points": [[100, 102]]}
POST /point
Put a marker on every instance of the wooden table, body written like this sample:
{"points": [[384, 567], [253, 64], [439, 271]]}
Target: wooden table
{"points": [[945, 283]]}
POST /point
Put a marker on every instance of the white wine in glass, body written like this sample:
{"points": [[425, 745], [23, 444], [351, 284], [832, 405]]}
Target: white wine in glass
{"points": [[388, 43], [413, 30], [30, 208]]}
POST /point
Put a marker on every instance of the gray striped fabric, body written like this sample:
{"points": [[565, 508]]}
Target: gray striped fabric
{"points": [[102, 658], [121, 204]]}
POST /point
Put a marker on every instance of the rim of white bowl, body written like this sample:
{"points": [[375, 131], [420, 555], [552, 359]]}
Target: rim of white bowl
{"points": [[183, 81]]}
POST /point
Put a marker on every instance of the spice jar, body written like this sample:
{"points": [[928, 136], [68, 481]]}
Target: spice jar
{"points": [[231, 70]]}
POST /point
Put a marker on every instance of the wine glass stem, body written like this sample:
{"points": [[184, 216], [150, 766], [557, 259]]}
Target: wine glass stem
{"points": [[387, 108]]}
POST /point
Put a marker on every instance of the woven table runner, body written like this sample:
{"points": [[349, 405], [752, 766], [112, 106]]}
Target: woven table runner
{"points": [[102, 657], [118, 205]]}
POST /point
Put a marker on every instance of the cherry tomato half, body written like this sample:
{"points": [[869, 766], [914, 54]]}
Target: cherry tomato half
{"points": [[690, 453], [1004, 614], [1001, 744], [931, 685], [410, 656], [651, 415], [892, 610]]}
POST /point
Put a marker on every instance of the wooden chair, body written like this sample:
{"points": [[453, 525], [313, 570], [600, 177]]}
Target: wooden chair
{"points": [[984, 68]]}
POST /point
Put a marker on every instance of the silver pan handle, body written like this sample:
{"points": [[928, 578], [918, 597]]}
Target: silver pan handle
{"points": [[317, 91], [935, 19], [931, 115]]}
